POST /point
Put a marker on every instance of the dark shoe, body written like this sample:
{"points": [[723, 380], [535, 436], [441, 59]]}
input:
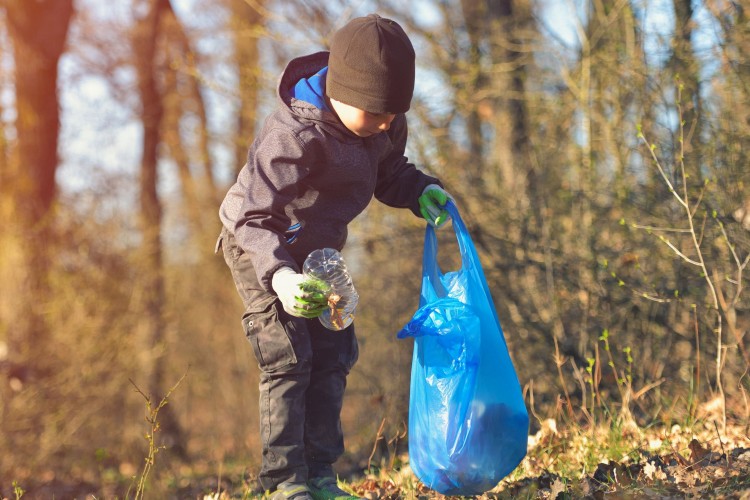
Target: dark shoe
{"points": [[327, 488], [291, 491]]}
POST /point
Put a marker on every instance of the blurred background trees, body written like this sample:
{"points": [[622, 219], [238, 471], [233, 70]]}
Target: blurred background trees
{"points": [[123, 123]]}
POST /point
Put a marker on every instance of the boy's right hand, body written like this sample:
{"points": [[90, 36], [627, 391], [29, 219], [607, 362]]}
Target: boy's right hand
{"points": [[300, 296], [432, 205]]}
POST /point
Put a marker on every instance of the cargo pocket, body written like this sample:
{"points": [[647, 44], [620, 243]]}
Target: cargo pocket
{"points": [[271, 343]]}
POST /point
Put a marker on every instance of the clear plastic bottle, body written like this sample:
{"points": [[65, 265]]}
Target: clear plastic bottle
{"points": [[328, 265]]}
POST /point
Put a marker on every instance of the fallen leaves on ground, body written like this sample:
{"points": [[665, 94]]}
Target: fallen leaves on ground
{"points": [[673, 463], [627, 462]]}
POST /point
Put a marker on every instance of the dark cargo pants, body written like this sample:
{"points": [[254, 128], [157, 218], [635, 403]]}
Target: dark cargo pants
{"points": [[303, 376]]}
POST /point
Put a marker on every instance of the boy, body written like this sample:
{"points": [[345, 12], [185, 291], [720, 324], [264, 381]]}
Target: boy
{"points": [[337, 139]]}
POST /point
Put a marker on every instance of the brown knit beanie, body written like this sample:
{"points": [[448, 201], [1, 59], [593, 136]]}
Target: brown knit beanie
{"points": [[371, 66]]}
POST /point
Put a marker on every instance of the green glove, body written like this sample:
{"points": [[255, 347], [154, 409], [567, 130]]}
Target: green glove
{"points": [[302, 297], [431, 205], [314, 298]]}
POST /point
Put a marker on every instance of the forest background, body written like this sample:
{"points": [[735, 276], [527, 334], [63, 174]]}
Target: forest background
{"points": [[597, 149]]}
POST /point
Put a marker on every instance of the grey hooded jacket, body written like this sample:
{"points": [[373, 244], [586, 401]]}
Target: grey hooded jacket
{"points": [[307, 176]]}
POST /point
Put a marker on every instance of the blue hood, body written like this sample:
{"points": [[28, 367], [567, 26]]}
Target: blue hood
{"points": [[313, 89]]}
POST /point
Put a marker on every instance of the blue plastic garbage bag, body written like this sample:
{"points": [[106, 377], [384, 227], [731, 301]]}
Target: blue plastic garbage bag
{"points": [[468, 424]]}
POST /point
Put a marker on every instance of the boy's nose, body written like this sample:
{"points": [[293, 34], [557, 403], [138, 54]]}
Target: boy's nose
{"points": [[387, 123]]}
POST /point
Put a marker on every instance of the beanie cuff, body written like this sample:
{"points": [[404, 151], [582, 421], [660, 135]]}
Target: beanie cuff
{"points": [[370, 103]]}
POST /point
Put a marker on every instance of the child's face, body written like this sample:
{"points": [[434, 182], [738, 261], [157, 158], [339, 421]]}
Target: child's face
{"points": [[361, 122]]}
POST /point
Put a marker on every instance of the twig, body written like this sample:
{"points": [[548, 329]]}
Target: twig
{"points": [[643, 390], [678, 252], [394, 443], [378, 438], [152, 419], [656, 228], [697, 357], [679, 457], [731, 323], [723, 452], [559, 361], [697, 240]]}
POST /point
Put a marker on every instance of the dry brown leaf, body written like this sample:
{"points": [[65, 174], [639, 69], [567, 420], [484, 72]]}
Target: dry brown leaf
{"points": [[649, 470], [547, 431], [697, 452], [557, 487]]}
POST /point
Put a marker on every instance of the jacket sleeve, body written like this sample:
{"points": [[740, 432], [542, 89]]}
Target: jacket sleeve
{"points": [[274, 171], [399, 182]]}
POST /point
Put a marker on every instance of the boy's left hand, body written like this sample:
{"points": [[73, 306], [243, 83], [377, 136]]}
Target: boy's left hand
{"points": [[431, 205]]}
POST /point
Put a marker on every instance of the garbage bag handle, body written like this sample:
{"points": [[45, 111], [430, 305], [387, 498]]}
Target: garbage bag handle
{"points": [[430, 268], [470, 263]]}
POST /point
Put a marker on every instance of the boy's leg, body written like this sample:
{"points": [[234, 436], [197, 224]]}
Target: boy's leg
{"points": [[282, 410], [282, 348], [334, 354]]}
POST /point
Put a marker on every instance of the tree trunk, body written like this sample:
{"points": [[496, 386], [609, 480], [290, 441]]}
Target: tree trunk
{"points": [[181, 96], [246, 25], [685, 66], [152, 272], [475, 16], [511, 31], [38, 31]]}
